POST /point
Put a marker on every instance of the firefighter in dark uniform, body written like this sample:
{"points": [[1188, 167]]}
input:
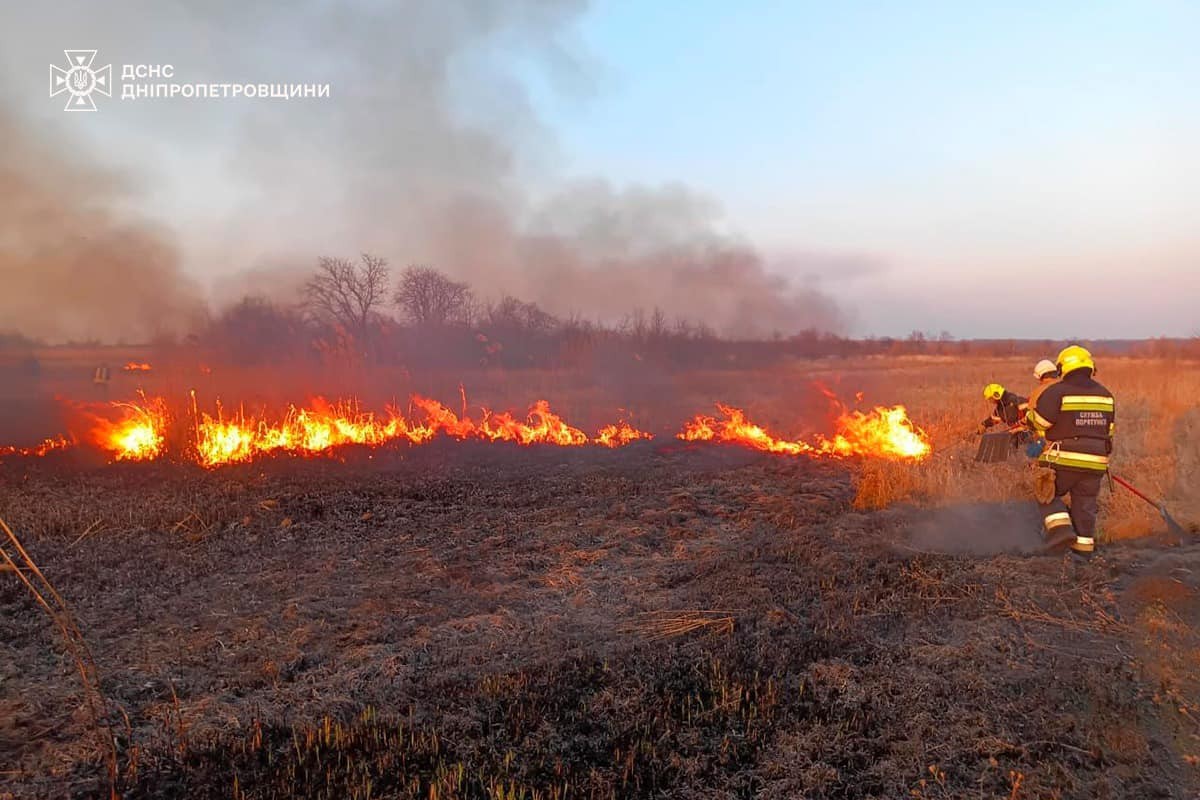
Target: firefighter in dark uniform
{"points": [[1007, 409], [1075, 417]]}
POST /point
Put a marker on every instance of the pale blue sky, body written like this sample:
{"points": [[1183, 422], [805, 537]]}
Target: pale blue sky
{"points": [[1052, 143]]}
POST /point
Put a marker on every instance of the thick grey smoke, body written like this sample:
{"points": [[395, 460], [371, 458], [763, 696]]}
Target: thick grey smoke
{"points": [[73, 265], [600, 251], [428, 150]]}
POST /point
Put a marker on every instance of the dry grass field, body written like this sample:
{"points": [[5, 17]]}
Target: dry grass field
{"points": [[667, 620], [1156, 448]]}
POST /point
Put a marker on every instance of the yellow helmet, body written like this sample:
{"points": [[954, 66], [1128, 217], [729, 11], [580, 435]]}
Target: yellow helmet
{"points": [[993, 391], [1073, 358]]}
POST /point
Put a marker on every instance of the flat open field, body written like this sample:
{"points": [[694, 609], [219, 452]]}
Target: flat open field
{"points": [[464, 620]]}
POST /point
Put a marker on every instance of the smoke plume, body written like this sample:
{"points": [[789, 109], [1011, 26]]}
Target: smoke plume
{"points": [[72, 265], [429, 149]]}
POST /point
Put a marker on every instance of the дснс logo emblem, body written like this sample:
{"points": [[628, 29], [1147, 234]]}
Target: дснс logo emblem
{"points": [[80, 80]]}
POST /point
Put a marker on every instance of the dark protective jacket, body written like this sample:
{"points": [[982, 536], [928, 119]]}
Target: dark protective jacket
{"points": [[1076, 416], [1010, 410]]}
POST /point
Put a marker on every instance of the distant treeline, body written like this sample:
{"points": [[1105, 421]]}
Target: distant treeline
{"points": [[351, 312]]}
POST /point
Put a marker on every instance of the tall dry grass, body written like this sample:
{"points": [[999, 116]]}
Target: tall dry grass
{"points": [[1158, 435], [1158, 428]]}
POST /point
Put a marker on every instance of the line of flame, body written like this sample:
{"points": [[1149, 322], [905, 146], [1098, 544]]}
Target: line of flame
{"points": [[141, 432], [882, 433]]}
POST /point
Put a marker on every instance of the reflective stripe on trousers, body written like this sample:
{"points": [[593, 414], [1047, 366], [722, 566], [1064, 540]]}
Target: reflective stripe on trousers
{"points": [[1083, 487], [1056, 519]]}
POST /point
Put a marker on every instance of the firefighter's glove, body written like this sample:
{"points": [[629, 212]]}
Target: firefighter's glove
{"points": [[1035, 448]]}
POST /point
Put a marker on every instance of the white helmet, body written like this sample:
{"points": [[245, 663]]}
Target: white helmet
{"points": [[1044, 368]]}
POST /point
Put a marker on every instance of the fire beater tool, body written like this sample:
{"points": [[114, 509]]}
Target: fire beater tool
{"points": [[997, 445], [1172, 524]]}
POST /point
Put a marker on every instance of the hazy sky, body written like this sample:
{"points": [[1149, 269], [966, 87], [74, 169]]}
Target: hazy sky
{"points": [[1014, 167], [995, 170]]}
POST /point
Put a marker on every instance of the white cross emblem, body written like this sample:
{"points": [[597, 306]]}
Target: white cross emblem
{"points": [[79, 80]]}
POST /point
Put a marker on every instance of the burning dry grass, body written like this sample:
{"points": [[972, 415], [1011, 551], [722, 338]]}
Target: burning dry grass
{"points": [[785, 410], [882, 433], [1157, 431], [148, 430]]}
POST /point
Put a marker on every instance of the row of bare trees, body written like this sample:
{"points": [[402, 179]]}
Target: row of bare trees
{"points": [[352, 308], [353, 295]]}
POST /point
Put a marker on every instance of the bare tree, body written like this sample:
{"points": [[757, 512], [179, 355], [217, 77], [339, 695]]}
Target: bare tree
{"points": [[429, 298], [348, 294], [658, 329], [644, 329], [520, 317]]}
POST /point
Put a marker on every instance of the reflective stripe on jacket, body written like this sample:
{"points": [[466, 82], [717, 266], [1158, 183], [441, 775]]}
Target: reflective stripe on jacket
{"points": [[1076, 416]]}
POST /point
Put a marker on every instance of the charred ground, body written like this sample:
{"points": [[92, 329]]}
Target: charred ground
{"points": [[492, 621]]}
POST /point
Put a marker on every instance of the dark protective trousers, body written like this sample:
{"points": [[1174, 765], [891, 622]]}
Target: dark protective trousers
{"points": [[1074, 524]]}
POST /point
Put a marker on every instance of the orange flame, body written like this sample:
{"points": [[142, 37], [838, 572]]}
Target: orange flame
{"points": [[134, 366], [620, 435], [883, 433], [541, 426], [139, 435], [302, 430], [736, 428], [324, 426], [40, 449], [140, 431]]}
